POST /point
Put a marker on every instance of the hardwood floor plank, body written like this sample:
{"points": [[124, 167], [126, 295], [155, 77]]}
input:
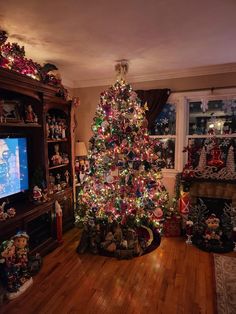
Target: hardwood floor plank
{"points": [[175, 278]]}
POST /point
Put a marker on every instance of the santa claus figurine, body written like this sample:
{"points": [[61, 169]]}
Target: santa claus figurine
{"points": [[37, 194], [30, 116]]}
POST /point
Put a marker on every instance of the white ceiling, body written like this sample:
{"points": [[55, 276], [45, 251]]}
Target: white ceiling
{"points": [[84, 38]]}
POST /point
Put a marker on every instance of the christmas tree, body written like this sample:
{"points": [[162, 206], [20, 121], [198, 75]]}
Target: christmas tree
{"points": [[124, 197]]}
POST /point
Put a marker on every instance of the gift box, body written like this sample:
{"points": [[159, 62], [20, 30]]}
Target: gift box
{"points": [[172, 227]]}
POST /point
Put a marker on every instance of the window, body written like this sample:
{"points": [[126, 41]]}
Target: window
{"points": [[200, 118], [165, 121], [212, 117], [164, 134], [212, 126]]}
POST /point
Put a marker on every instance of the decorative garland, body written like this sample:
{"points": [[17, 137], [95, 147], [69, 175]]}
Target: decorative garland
{"points": [[210, 172], [213, 169], [12, 57], [5, 214]]}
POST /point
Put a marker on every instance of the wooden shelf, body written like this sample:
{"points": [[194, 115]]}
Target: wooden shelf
{"points": [[59, 166], [56, 141], [30, 216], [55, 195], [21, 124]]}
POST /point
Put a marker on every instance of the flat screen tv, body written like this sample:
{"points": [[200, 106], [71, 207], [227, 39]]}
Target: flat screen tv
{"points": [[13, 166]]}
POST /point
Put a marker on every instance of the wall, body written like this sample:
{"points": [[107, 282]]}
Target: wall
{"points": [[89, 98]]}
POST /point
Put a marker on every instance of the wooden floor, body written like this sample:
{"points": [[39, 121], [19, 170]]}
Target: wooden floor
{"points": [[175, 278]]}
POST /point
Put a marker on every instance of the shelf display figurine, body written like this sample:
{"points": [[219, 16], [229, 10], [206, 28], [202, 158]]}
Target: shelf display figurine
{"points": [[3, 214], [56, 131], [47, 130], [63, 131], [58, 178], [30, 116], [58, 182], [56, 127], [51, 184], [37, 194], [57, 158], [65, 158], [51, 130], [67, 177]]}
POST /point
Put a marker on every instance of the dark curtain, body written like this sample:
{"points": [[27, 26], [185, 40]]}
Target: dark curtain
{"points": [[156, 99]]}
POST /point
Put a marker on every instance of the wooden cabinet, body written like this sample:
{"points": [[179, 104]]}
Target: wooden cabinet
{"points": [[38, 220]]}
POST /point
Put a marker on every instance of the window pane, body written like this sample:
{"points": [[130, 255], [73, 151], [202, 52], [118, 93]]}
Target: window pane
{"points": [[165, 123], [165, 150], [212, 117]]}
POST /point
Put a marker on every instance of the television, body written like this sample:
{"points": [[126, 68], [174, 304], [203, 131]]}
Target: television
{"points": [[14, 176]]}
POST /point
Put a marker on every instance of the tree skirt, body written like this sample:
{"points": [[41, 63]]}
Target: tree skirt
{"points": [[213, 246], [225, 279], [148, 240], [155, 243]]}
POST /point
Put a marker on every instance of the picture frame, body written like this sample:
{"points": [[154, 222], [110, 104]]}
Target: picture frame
{"points": [[10, 111]]}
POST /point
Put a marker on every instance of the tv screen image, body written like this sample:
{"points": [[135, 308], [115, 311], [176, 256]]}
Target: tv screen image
{"points": [[13, 166]]}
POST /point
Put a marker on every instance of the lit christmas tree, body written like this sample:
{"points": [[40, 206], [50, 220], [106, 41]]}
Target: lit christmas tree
{"points": [[124, 197]]}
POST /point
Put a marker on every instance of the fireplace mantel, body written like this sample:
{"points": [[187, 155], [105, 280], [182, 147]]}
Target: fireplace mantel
{"points": [[213, 190]]}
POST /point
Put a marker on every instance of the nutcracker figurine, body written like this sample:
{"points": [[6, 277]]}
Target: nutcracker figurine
{"points": [[59, 222]]}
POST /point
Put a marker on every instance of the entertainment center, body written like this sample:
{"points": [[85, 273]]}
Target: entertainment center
{"points": [[35, 159]]}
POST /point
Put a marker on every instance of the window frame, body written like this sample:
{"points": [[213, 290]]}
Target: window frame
{"points": [[181, 101], [173, 100]]}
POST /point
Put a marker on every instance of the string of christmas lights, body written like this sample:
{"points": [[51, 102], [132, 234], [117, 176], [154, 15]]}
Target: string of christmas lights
{"points": [[124, 184]]}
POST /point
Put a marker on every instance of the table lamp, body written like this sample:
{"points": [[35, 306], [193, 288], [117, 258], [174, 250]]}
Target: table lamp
{"points": [[80, 149], [80, 162]]}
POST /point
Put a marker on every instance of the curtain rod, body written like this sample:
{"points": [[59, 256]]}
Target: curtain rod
{"points": [[202, 89]]}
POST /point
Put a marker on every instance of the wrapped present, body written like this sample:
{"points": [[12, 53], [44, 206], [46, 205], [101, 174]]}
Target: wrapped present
{"points": [[172, 227]]}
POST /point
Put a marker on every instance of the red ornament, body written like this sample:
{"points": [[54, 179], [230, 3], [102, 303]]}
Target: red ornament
{"points": [[215, 161]]}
